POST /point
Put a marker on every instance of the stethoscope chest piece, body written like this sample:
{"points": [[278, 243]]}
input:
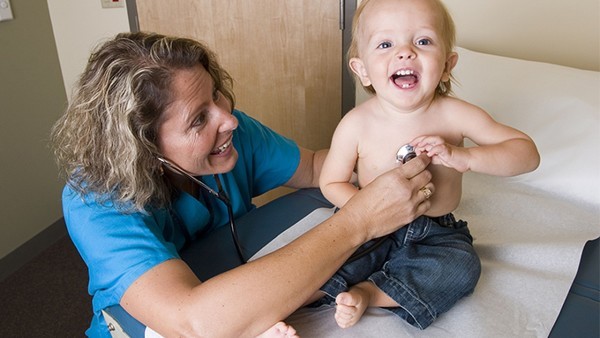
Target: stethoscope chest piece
{"points": [[405, 153]]}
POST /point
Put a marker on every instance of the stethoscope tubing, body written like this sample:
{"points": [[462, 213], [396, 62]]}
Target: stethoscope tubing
{"points": [[221, 195]]}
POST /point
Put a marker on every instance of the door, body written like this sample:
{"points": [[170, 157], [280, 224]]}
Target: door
{"points": [[285, 56]]}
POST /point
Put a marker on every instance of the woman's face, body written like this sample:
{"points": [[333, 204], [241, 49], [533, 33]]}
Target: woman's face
{"points": [[196, 129]]}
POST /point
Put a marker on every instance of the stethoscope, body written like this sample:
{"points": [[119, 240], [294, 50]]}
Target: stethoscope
{"points": [[404, 154], [220, 195]]}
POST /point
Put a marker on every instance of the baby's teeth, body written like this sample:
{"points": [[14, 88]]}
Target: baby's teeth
{"points": [[404, 72]]}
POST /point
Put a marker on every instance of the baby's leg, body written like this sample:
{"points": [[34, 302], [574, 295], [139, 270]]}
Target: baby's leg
{"points": [[280, 329], [351, 305]]}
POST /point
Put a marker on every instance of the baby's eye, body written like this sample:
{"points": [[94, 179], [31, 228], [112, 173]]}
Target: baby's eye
{"points": [[423, 42], [384, 45]]}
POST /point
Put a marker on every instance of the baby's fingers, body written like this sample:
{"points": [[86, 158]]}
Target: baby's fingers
{"points": [[441, 150], [424, 141]]}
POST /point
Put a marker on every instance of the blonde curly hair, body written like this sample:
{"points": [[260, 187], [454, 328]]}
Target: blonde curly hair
{"points": [[448, 37], [105, 142]]}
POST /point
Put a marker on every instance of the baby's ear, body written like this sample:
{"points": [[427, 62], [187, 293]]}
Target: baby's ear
{"points": [[451, 62], [359, 69]]}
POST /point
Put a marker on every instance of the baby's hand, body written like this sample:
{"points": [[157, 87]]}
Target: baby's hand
{"points": [[442, 153]]}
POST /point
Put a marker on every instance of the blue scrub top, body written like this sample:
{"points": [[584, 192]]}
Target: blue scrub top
{"points": [[119, 247]]}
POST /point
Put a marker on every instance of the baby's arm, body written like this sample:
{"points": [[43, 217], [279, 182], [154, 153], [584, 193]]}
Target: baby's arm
{"points": [[501, 150], [338, 168]]}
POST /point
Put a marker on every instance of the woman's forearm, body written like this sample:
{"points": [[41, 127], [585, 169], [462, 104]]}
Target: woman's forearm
{"points": [[276, 285], [245, 301], [309, 169]]}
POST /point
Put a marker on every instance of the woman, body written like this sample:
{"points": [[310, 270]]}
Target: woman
{"points": [[146, 96]]}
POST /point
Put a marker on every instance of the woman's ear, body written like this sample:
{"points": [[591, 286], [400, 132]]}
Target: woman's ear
{"points": [[359, 69], [451, 62]]}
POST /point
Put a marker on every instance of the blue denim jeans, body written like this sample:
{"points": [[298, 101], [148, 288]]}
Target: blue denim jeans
{"points": [[426, 267]]}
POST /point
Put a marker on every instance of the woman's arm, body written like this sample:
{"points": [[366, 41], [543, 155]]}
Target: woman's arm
{"points": [[247, 300], [309, 169]]}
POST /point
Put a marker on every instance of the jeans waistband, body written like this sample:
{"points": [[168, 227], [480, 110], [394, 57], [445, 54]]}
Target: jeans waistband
{"points": [[446, 220]]}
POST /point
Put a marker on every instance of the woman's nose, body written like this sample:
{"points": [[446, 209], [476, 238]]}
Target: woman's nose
{"points": [[227, 122]]}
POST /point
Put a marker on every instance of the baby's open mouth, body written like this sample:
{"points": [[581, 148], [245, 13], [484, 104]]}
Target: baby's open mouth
{"points": [[221, 149], [405, 78]]}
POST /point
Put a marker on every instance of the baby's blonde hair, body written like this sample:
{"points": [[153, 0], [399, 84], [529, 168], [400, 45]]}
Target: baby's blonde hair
{"points": [[448, 38]]}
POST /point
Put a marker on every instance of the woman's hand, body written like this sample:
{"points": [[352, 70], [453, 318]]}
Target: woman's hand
{"points": [[247, 300], [392, 200]]}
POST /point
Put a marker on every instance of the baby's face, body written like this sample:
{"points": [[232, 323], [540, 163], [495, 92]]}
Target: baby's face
{"points": [[401, 50]]}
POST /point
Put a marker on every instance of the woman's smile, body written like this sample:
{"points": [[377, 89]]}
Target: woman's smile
{"points": [[220, 150], [197, 130]]}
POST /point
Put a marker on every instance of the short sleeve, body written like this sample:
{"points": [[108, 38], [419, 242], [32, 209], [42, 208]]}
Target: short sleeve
{"points": [[270, 158], [117, 247]]}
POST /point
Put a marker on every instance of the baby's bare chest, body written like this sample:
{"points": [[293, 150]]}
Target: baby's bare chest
{"points": [[377, 152]]}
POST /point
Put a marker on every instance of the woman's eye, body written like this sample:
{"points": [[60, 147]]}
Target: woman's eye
{"points": [[199, 120], [423, 42], [384, 45]]}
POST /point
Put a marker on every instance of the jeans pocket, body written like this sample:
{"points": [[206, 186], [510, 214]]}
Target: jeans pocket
{"points": [[417, 230]]}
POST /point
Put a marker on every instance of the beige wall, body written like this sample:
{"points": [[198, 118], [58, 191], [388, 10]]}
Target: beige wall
{"points": [[78, 26], [554, 31], [31, 97], [42, 51]]}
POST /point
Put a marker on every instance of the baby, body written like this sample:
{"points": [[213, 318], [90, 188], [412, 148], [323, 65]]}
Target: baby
{"points": [[402, 52]]}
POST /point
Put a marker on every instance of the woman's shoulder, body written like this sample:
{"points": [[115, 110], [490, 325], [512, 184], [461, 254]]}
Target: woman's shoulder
{"points": [[76, 197], [248, 126], [93, 223], [91, 209], [252, 131], [245, 120]]}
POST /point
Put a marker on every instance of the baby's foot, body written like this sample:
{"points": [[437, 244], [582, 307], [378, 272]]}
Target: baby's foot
{"points": [[280, 330], [350, 307]]}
